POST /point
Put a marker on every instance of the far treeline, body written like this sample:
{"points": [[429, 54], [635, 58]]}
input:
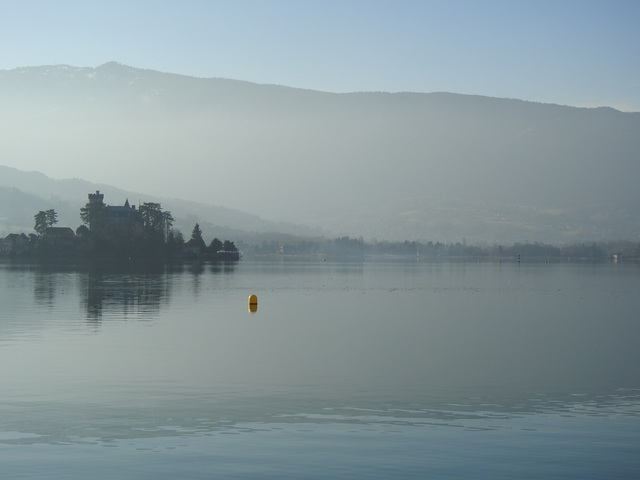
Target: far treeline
{"points": [[536, 251]]}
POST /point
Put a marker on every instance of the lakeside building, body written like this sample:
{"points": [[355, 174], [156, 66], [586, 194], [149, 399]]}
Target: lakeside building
{"points": [[116, 218], [14, 244]]}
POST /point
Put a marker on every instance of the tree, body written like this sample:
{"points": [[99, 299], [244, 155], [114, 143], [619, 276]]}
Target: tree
{"points": [[52, 217], [229, 246], [215, 246], [41, 222], [151, 216], [82, 231], [167, 221], [178, 237], [175, 241], [155, 223], [196, 236], [45, 219]]}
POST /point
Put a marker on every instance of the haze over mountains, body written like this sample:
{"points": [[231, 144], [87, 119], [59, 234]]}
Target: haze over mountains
{"points": [[439, 166], [22, 194]]}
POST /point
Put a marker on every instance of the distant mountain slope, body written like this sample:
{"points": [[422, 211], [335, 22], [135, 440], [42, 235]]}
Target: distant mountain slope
{"points": [[407, 165], [23, 194]]}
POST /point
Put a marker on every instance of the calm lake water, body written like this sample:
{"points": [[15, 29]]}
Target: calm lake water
{"points": [[363, 370]]}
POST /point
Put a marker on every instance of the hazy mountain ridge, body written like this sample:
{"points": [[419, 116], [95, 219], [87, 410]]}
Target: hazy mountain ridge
{"points": [[385, 165], [23, 194]]}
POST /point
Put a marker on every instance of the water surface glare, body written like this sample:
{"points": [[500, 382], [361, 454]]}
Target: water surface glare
{"points": [[355, 370]]}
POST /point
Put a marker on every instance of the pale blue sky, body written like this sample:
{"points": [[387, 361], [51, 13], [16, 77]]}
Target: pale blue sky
{"points": [[583, 53]]}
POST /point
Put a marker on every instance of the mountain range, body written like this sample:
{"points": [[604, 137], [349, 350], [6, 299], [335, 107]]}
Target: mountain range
{"points": [[392, 166]]}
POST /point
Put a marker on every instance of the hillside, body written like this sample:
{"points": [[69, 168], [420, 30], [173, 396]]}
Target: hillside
{"points": [[435, 166], [23, 194]]}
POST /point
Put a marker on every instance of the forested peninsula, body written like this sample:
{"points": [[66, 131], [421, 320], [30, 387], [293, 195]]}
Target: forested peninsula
{"points": [[115, 233]]}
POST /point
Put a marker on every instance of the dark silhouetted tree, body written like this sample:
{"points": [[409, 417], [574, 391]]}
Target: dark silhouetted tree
{"points": [[156, 223], [82, 231], [44, 219], [215, 246], [229, 246], [41, 222], [175, 241], [196, 236]]}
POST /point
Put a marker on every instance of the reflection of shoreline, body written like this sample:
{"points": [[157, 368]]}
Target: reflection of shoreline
{"points": [[124, 288], [128, 295], [111, 265], [135, 289]]}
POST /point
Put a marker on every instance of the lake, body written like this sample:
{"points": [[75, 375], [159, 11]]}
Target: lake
{"points": [[346, 370]]}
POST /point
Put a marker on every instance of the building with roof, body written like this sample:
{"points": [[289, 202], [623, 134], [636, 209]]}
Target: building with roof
{"points": [[14, 244], [120, 219]]}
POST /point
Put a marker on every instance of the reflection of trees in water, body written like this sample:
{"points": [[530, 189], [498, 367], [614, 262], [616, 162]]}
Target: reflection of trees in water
{"points": [[115, 290], [49, 281], [126, 292], [222, 267], [197, 269], [44, 288]]}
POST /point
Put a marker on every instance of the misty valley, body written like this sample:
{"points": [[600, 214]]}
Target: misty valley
{"points": [[242, 159]]}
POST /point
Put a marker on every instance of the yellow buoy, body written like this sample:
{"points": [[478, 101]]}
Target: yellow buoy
{"points": [[253, 303]]}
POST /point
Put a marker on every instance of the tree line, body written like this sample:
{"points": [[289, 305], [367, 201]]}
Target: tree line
{"points": [[345, 247], [151, 235]]}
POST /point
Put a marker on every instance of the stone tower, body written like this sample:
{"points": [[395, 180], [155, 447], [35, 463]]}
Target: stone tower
{"points": [[96, 197], [96, 205]]}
